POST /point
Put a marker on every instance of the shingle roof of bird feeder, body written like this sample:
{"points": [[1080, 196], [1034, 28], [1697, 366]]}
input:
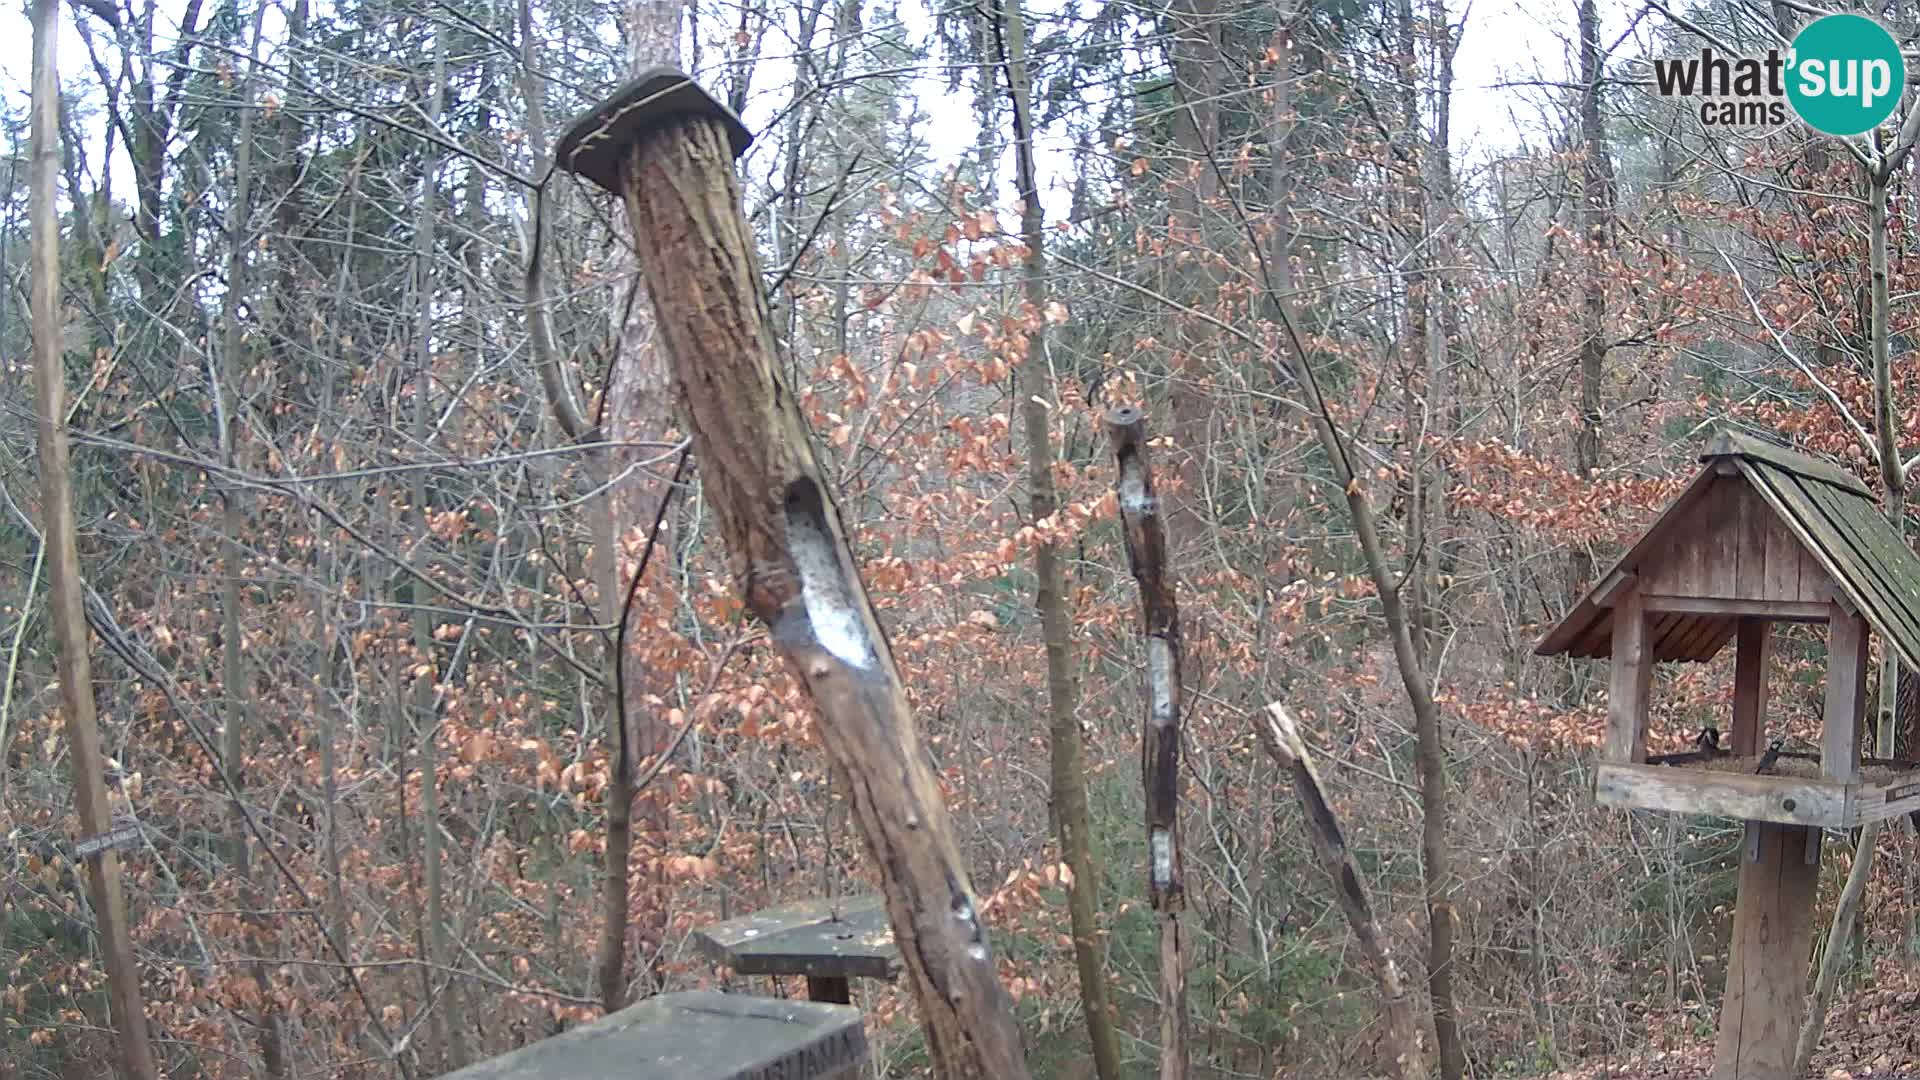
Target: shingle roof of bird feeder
{"points": [[1842, 548], [595, 144], [845, 938]]}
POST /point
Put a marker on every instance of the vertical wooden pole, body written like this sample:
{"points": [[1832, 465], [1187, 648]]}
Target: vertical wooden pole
{"points": [[1772, 941], [64, 581], [1146, 538], [1753, 649], [1773, 922], [829, 988], [1846, 700], [1632, 675]]}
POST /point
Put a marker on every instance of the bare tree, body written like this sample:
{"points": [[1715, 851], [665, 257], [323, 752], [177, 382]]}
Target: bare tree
{"points": [[65, 585]]}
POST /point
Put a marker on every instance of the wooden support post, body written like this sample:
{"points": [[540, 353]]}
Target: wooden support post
{"points": [[1146, 538], [1632, 675], [1846, 700], [829, 988], [1767, 969], [1753, 649], [667, 148]]}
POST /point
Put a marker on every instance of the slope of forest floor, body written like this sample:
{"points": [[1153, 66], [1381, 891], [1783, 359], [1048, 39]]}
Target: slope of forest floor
{"points": [[1870, 1036]]}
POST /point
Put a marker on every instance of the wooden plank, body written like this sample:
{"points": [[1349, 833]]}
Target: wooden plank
{"points": [[1722, 632], [1878, 802], [1753, 519], [1580, 618], [1699, 636], [698, 1035], [1778, 610], [1733, 443], [1809, 524], [1865, 546], [844, 938], [1767, 968], [1630, 678], [1608, 592], [1846, 698], [1741, 796], [1892, 565], [1718, 540], [1753, 651], [1785, 556]]}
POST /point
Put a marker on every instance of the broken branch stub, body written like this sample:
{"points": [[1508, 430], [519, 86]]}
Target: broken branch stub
{"points": [[670, 157], [1280, 735]]}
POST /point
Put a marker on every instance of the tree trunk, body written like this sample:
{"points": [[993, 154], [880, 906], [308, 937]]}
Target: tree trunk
{"points": [[1160, 735], [1596, 184], [234, 678], [1281, 737], [794, 569], [64, 584], [1845, 932], [1436, 865], [449, 1022], [1050, 594]]}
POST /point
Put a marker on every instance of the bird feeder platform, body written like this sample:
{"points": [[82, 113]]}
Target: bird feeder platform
{"points": [[1762, 535], [1728, 787], [828, 941], [700, 1035]]}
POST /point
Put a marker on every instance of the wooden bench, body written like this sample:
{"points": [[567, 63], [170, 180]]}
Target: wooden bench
{"points": [[698, 1035]]}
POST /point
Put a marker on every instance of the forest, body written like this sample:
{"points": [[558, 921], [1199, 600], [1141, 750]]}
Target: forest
{"points": [[1226, 533]]}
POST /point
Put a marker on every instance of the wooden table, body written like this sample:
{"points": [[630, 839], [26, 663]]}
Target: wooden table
{"points": [[700, 1035], [828, 941]]}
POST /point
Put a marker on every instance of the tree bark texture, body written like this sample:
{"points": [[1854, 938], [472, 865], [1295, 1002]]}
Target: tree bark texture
{"points": [[64, 584], [1280, 735], [1146, 541], [1068, 759], [794, 568]]}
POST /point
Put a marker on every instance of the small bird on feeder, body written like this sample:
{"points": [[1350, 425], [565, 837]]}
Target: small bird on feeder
{"points": [[1772, 755], [1708, 741]]}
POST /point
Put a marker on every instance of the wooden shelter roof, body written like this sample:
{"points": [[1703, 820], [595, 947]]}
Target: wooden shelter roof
{"points": [[1830, 512]]}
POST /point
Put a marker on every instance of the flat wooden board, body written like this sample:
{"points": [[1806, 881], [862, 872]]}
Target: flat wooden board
{"points": [[844, 938], [1727, 787], [700, 1035], [1741, 796]]}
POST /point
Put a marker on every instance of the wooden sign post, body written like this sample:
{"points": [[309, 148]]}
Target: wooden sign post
{"points": [[667, 149]]}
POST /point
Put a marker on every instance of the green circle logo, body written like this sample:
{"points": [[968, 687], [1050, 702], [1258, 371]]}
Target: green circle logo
{"points": [[1846, 74]]}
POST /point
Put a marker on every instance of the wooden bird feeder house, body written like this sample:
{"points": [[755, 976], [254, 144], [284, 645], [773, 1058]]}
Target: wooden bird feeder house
{"points": [[1762, 535]]}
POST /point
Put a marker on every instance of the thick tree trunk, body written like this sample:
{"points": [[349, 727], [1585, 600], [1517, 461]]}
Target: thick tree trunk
{"points": [[1281, 737], [1050, 596], [794, 569], [1160, 735], [64, 584]]}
